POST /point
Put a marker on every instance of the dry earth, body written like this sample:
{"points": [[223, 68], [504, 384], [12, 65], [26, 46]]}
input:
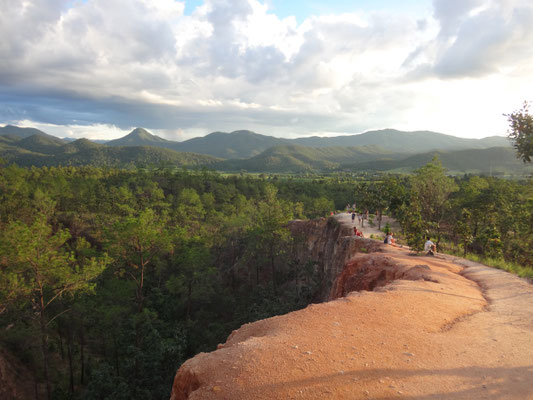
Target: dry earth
{"points": [[432, 328]]}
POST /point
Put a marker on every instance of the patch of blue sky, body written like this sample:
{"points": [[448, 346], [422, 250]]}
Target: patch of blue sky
{"points": [[73, 3], [302, 9], [190, 5]]}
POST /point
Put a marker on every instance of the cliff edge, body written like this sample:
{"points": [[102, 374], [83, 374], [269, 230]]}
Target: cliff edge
{"points": [[397, 325]]}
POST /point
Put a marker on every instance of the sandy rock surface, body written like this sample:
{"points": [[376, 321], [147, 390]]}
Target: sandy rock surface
{"points": [[432, 328]]}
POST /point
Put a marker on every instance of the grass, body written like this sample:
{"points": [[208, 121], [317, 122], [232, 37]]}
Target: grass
{"points": [[500, 263], [520, 270]]}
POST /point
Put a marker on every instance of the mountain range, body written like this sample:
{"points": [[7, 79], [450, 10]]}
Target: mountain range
{"points": [[15, 131], [382, 150], [245, 144], [301, 158], [45, 150]]}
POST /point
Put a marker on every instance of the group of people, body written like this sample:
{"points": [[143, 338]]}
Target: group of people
{"points": [[360, 217], [429, 247]]}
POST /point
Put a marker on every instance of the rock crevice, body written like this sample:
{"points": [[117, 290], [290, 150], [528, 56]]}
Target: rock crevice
{"points": [[329, 245]]}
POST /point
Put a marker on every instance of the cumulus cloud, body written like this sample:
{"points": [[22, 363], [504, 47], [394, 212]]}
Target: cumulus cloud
{"points": [[73, 131], [233, 64], [477, 38]]}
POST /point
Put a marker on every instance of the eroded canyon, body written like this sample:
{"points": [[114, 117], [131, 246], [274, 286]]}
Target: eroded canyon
{"points": [[392, 324]]}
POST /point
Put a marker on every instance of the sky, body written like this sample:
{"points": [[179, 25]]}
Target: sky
{"points": [[284, 68]]}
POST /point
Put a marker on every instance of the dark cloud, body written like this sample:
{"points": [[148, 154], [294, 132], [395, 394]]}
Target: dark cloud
{"points": [[59, 109]]}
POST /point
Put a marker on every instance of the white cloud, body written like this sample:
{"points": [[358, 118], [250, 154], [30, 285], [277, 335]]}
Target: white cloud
{"points": [[478, 38], [233, 64], [95, 131]]}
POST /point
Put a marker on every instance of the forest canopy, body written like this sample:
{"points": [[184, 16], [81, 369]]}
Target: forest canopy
{"points": [[113, 278]]}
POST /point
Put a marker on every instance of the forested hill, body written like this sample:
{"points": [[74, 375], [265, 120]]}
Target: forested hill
{"points": [[40, 150], [295, 159], [302, 158], [492, 161], [385, 150], [238, 144], [141, 137], [246, 144], [405, 142], [18, 132]]}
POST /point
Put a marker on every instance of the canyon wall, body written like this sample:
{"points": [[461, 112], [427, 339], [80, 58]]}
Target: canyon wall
{"points": [[393, 324], [328, 245]]}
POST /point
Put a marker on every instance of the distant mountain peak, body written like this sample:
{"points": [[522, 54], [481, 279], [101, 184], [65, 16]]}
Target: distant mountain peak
{"points": [[80, 145], [22, 132], [85, 141], [141, 133], [244, 132], [139, 137]]}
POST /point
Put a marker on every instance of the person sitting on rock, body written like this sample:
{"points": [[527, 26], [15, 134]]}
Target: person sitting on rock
{"points": [[357, 232], [389, 239], [429, 247]]}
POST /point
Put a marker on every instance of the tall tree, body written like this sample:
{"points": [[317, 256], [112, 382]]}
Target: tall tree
{"points": [[138, 243], [521, 132], [37, 266], [374, 197], [269, 237], [430, 193], [190, 211], [193, 265]]}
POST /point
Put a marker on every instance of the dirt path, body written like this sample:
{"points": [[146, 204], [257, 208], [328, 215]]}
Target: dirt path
{"points": [[448, 329]]}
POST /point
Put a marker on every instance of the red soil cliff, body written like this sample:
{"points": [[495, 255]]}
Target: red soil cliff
{"points": [[421, 327]]}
